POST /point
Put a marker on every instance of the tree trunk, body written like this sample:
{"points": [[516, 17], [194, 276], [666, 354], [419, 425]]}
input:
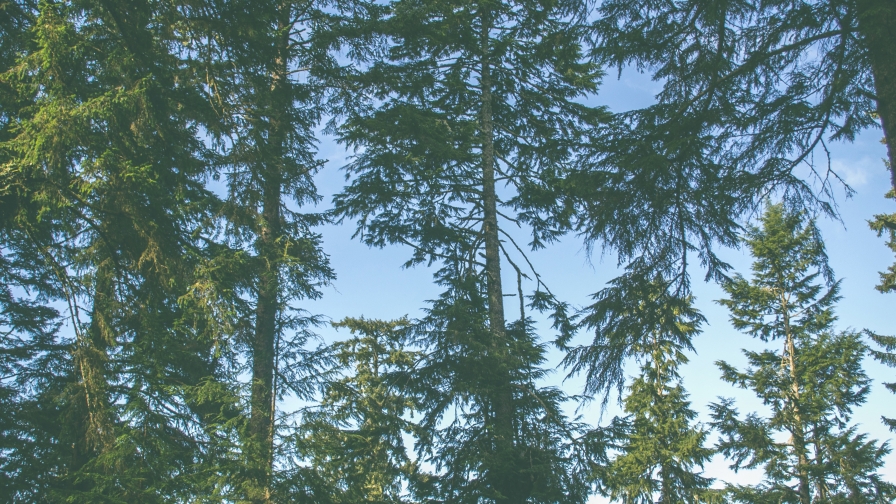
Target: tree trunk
{"points": [[877, 23], [90, 427], [507, 482], [261, 423], [798, 430], [665, 485]]}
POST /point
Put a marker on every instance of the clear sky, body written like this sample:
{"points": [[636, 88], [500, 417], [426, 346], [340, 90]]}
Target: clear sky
{"points": [[371, 283]]}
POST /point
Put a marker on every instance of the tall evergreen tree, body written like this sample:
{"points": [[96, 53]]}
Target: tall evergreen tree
{"points": [[273, 99], [103, 194], [659, 445], [473, 100], [27, 327], [810, 386]]}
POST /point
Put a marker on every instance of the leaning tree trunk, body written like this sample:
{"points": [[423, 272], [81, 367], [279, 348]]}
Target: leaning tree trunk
{"points": [[877, 23]]}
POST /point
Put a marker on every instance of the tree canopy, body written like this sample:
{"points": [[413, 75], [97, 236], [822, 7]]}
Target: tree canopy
{"points": [[161, 249]]}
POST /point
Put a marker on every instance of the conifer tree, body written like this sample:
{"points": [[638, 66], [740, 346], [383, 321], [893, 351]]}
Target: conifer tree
{"points": [[885, 224], [810, 386], [102, 197], [473, 101], [27, 326], [273, 101], [659, 445], [355, 438], [886, 354]]}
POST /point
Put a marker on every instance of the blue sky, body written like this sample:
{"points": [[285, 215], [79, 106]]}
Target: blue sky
{"points": [[370, 282]]}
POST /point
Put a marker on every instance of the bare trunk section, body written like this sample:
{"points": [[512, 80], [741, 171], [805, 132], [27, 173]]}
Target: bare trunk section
{"points": [[877, 23], [261, 423], [505, 477], [798, 430]]}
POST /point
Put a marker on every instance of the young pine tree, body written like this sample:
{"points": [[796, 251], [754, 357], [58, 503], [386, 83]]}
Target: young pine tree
{"points": [[355, 437], [807, 448], [658, 443]]}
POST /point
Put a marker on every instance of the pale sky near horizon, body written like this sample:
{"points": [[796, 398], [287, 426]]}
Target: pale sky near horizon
{"points": [[370, 282]]}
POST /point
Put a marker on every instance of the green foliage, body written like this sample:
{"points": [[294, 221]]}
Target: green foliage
{"points": [[103, 195], [354, 437], [806, 447], [886, 354], [157, 164], [472, 101], [783, 299], [659, 446], [754, 85], [886, 224], [418, 177], [455, 383], [751, 91], [267, 257], [625, 318], [840, 464]]}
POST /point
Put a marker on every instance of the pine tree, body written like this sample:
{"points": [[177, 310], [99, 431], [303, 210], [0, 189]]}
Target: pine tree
{"points": [[886, 224], [103, 195], [886, 355], [472, 101], [769, 82], [273, 101], [659, 445], [810, 386], [355, 438]]}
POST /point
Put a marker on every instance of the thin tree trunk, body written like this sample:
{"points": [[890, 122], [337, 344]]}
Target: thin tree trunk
{"points": [[877, 23], [507, 482], [821, 490], [798, 431], [91, 428], [93, 358], [261, 423]]}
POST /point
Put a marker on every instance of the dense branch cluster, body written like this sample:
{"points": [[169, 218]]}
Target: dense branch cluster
{"points": [[159, 240]]}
